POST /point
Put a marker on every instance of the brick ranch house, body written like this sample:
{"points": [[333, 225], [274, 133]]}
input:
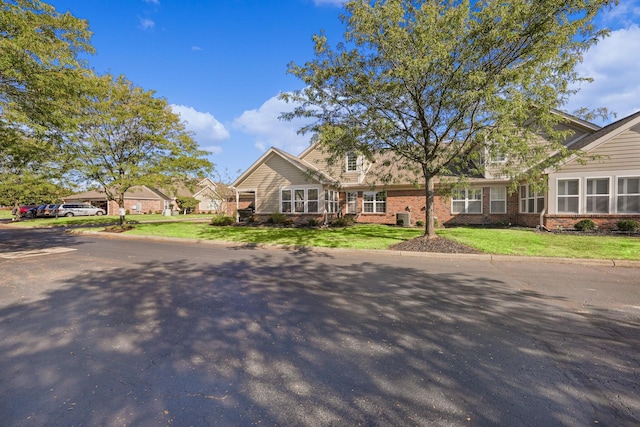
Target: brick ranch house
{"points": [[142, 199], [306, 186]]}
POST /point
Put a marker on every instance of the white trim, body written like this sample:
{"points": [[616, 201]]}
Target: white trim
{"points": [[375, 202], [582, 179], [617, 192], [610, 207], [466, 201], [347, 210], [506, 198], [306, 188]]}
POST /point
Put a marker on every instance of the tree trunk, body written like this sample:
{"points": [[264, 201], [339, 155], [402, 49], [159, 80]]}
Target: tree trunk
{"points": [[121, 209], [430, 223]]}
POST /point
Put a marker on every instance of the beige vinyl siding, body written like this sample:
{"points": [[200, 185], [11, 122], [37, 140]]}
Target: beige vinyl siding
{"points": [[317, 158], [268, 178], [620, 153], [493, 170]]}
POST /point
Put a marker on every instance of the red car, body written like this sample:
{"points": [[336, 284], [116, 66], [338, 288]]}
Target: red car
{"points": [[28, 211]]}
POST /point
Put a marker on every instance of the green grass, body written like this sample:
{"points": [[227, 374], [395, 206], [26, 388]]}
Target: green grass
{"points": [[511, 241], [531, 243], [355, 237], [494, 241], [101, 220]]}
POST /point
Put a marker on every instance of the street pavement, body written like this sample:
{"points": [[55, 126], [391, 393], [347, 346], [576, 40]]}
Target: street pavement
{"points": [[115, 331]]}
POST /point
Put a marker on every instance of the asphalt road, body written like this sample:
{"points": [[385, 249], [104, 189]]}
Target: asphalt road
{"points": [[101, 331]]}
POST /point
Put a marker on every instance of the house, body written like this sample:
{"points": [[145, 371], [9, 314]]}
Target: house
{"points": [[308, 187], [142, 199]]}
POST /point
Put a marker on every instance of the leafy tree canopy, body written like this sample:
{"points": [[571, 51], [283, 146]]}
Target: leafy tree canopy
{"points": [[187, 204], [126, 137], [40, 77], [440, 84], [39, 65]]}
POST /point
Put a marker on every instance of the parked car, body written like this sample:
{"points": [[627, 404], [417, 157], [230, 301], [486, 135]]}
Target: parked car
{"points": [[28, 211], [47, 210], [79, 209], [40, 210]]}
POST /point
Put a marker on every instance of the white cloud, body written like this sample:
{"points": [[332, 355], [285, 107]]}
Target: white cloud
{"points": [[206, 128], [196, 48], [269, 131], [152, 1], [147, 24], [613, 65], [623, 15]]}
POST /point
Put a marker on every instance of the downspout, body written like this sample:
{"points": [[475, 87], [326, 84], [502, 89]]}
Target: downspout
{"points": [[541, 226]]}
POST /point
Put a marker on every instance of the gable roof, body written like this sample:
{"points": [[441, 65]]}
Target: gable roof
{"points": [[607, 132], [135, 192], [300, 164], [602, 135]]}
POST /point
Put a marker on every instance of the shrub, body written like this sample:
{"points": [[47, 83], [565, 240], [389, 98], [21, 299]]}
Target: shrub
{"points": [[585, 225], [279, 219], [313, 222], [419, 223], [629, 225], [343, 221], [222, 219]]}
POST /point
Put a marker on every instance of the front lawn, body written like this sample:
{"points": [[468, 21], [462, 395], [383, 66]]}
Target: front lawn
{"points": [[356, 237], [96, 220], [522, 242], [512, 241], [526, 242]]}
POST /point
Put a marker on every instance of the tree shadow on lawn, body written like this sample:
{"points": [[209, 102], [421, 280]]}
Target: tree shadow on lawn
{"points": [[293, 342]]}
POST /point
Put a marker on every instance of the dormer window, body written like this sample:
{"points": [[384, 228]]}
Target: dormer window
{"points": [[498, 157], [352, 162]]}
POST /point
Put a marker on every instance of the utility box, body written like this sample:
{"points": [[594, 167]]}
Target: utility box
{"points": [[403, 219]]}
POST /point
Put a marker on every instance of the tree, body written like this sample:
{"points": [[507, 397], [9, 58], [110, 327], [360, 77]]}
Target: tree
{"points": [[436, 85], [128, 137], [187, 204], [40, 74], [39, 65]]}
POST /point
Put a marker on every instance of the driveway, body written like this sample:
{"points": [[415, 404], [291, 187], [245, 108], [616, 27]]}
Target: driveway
{"points": [[106, 331]]}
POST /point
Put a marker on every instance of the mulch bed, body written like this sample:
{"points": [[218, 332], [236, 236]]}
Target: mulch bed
{"points": [[439, 244]]}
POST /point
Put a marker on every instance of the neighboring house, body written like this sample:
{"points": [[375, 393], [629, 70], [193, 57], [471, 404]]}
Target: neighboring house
{"points": [[137, 200], [212, 197], [306, 186], [142, 199]]}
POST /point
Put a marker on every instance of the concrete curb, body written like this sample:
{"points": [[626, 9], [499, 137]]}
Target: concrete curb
{"points": [[430, 255]]}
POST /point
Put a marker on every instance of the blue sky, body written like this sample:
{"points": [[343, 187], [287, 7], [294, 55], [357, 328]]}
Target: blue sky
{"points": [[222, 63]]}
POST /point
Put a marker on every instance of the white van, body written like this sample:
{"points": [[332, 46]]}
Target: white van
{"points": [[79, 209]]}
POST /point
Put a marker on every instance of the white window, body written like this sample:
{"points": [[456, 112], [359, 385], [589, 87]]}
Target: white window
{"points": [[299, 200], [331, 201], [352, 202], [467, 201], [285, 197], [374, 202], [351, 162], [530, 201], [629, 195], [498, 200], [597, 195], [568, 195]]}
